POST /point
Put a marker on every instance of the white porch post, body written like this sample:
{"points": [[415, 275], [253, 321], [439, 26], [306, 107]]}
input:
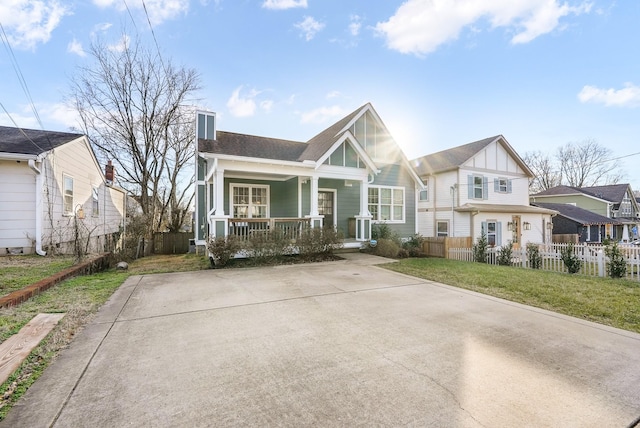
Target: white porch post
{"points": [[363, 219], [314, 215], [218, 221]]}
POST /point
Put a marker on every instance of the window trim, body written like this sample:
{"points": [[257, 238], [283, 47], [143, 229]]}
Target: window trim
{"points": [[95, 201], [250, 186], [438, 233], [392, 205], [65, 211]]}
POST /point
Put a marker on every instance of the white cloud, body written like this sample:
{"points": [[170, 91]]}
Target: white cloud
{"points": [[121, 45], [56, 116], [421, 26], [242, 106], [158, 10], [322, 114], [333, 94], [629, 96], [355, 25], [284, 4], [75, 47], [30, 22], [266, 105], [309, 27]]}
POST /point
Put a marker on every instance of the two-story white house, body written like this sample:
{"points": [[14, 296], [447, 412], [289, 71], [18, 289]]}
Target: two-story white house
{"points": [[54, 194], [480, 188]]}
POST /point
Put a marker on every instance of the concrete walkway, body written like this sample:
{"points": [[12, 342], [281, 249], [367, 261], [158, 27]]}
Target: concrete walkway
{"points": [[331, 344]]}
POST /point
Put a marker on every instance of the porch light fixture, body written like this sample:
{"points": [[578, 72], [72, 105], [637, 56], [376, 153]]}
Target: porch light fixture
{"points": [[348, 183], [79, 212], [510, 225], [526, 225]]}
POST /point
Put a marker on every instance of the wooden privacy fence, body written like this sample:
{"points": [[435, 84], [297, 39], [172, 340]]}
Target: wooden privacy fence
{"points": [[441, 246], [593, 258], [171, 242]]}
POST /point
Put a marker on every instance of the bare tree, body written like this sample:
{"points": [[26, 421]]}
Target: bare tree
{"points": [[130, 102], [546, 175], [587, 164], [582, 164]]}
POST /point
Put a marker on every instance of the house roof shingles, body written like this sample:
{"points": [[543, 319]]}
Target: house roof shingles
{"points": [[450, 158], [612, 192], [230, 143], [577, 214], [32, 141]]}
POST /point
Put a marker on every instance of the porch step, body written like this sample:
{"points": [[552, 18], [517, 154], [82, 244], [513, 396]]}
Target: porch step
{"points": [[346, 250]]}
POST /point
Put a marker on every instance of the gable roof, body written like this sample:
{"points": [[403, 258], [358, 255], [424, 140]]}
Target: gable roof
{"points": [[611, 193], [32, 141], [318, 145], [233, 144], [455, 157], [577, 214]]}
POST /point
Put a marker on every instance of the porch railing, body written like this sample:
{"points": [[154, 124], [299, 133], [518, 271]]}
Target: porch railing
{"points": [[245, 228]]}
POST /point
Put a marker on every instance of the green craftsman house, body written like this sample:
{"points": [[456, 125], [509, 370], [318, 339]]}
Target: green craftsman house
{"points": [[348, 177]]}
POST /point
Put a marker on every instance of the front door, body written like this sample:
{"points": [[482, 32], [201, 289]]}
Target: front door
{"points": [[326, 207], [516, 231]]}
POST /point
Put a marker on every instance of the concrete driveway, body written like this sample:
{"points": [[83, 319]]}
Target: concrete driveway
{"points": [[333, 344]]}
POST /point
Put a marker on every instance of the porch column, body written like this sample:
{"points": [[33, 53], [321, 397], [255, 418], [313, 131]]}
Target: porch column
{"points": [[363, 219], [218, 221], [314, 215]]}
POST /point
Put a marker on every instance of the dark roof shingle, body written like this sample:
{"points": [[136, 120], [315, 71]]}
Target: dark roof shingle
{"points": [[230, 143], [13, 140], [450, 158], [577, 214]]}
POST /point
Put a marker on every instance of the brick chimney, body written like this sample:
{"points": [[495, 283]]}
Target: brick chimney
{"points": [[109, 172]]}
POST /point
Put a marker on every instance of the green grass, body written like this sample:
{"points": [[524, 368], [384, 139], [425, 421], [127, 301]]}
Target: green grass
{"points": [[613, 302], [17, 272]]}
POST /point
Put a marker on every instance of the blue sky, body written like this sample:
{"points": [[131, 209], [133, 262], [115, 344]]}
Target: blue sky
{"points": [[440, 73]]}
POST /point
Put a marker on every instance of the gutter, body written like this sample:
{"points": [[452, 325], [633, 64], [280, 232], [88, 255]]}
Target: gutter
{"points": [[34, 168]]}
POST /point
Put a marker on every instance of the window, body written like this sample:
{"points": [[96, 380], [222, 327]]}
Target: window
{"points": [[67, 195], [95, 202], [477, 185], [424, 194], [442, 228], [249, 201], [502, 185], [491, 233], [386, 203]]}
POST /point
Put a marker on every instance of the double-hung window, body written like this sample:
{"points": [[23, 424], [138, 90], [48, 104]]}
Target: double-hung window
{"points": [[95, 202], [478, 185], [386, 203], [249, 201], [67, 190], [442, 227]]}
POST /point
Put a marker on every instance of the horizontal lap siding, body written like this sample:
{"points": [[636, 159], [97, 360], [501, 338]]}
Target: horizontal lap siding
{"points": [[17, 204], [397, 175], [348, 201]]}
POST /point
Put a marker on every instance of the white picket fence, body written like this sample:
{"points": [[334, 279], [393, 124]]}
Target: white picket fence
{"points": [[593, 258]]}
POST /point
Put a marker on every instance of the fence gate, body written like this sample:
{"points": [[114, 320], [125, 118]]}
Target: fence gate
{"points": [[171, 242]]}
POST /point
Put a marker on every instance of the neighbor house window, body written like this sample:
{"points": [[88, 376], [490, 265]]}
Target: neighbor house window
{"points": [[386, 203], [67, 191], [249, 201], [492, 229], [442, 228], [424, 195], [95, 202]]}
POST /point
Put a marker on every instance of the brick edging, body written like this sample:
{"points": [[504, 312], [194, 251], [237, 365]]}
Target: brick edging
{"points": [[96, 264]]}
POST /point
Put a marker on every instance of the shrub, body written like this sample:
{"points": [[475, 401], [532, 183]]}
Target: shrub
{"points": [[480, 253], [505, 254], [267, 246], [535, 259], [221, 249], [571, 260], [384, 231], [617, 266], [386, 248], [314, 241], [414, 246]]}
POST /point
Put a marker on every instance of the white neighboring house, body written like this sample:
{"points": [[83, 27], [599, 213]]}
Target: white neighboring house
{"points": [[480, 187], [54, 193]]}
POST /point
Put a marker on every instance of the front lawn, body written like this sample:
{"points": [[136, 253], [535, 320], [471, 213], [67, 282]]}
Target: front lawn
{"points": [[613, 302]]}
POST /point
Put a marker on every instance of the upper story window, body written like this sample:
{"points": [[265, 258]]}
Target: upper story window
{"points": [[478, 187], [249, 201], [386, 203], [67, 194], [424, 194], [625, 207], [502, 185]]}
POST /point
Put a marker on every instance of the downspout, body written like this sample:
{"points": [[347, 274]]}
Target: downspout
{"points": [[34, 168]]}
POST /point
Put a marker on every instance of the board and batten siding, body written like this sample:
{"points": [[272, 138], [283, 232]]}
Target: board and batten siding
{"points": [[17, 205]]}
